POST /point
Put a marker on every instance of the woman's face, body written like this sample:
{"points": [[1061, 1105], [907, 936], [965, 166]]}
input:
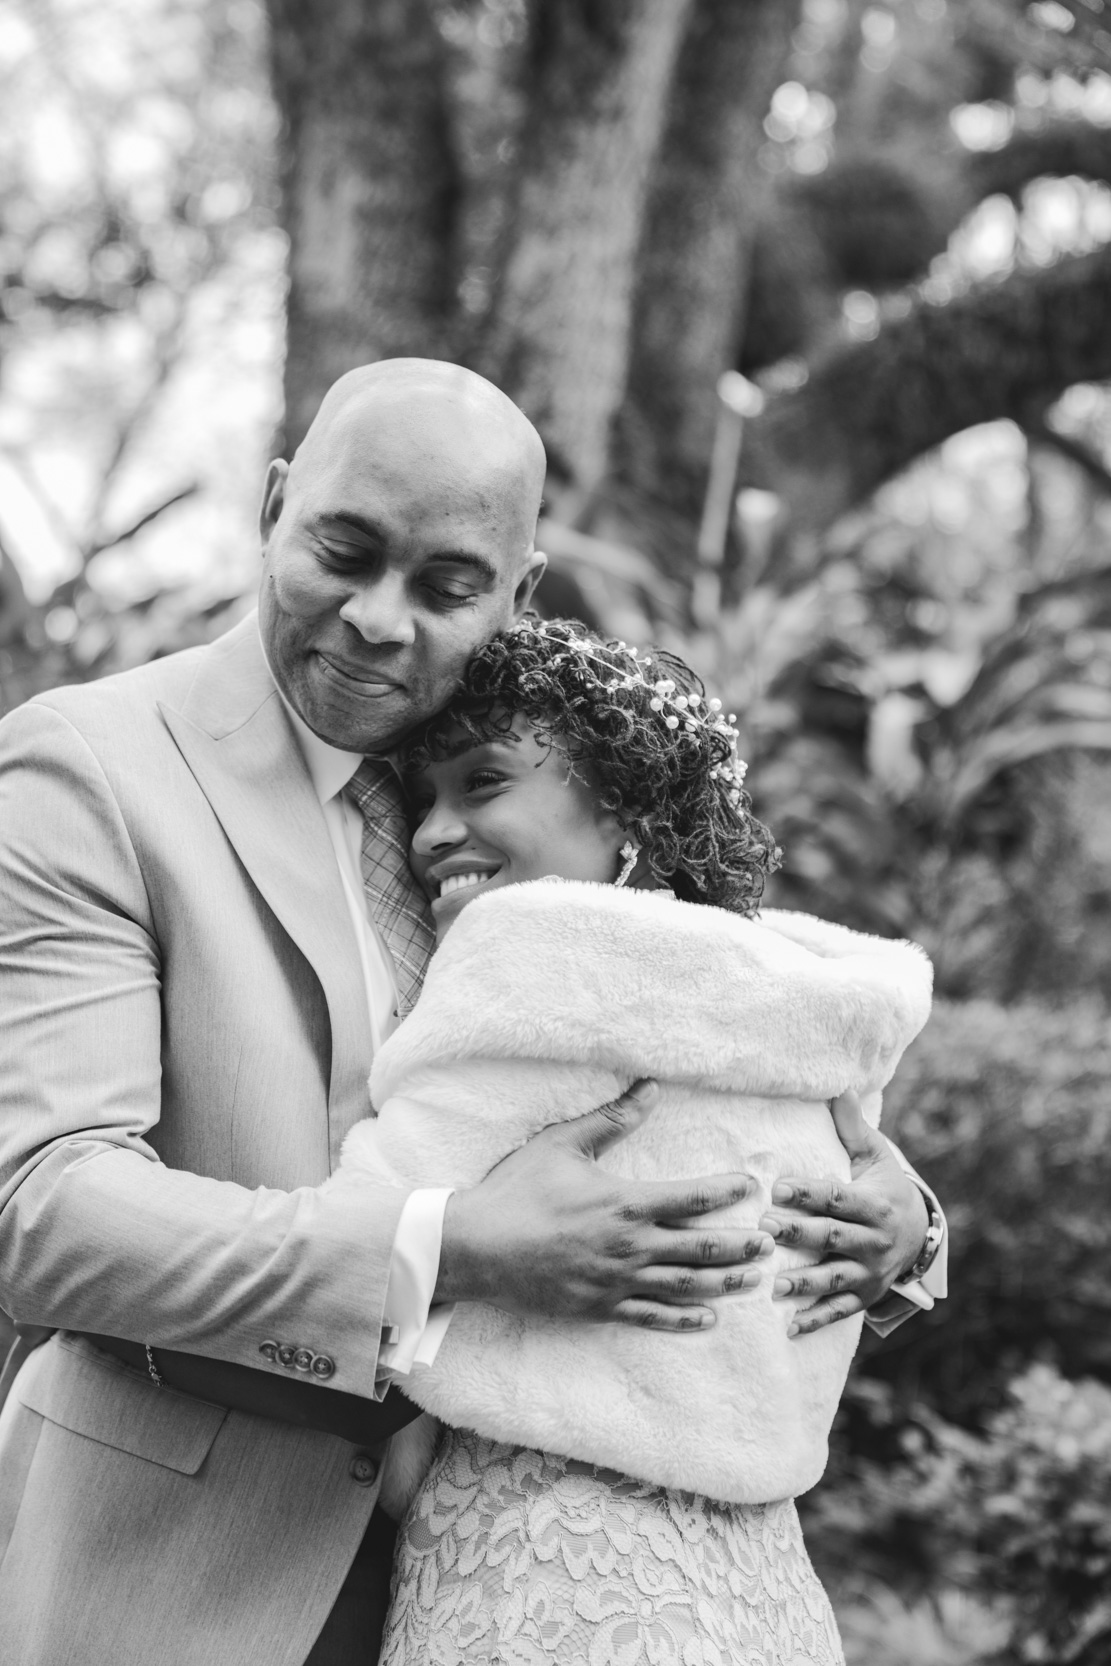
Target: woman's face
{"points": [[503, 812]]}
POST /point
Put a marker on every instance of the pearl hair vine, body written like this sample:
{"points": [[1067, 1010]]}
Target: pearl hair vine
{"points": [[681, 714]]}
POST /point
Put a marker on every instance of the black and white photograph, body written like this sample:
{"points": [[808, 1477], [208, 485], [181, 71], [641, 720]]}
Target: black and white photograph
{"points": [[555, 832]]}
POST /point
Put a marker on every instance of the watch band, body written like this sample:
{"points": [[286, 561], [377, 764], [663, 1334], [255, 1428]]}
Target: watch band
{"points": [[935, 1233]]}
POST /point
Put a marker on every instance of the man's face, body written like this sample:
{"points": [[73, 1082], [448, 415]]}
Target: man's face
{"points": [[393, 547]]}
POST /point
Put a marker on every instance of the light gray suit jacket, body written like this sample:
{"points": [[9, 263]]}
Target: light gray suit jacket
{"points": [[184, 1042]]}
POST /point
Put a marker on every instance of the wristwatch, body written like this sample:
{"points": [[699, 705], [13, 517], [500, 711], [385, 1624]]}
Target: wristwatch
{"points": [[935, 1233]]}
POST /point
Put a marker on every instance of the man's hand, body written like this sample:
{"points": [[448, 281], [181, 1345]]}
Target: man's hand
{"points": [[869, 1232], [548, 1232]]}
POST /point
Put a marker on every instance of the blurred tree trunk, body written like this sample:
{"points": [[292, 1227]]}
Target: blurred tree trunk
{"points": [[369, 188], [867, 411], [695, 250], [597, 79]]}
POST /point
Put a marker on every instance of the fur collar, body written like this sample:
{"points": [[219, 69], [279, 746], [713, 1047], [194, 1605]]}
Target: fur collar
{"points": [[637, 982]]}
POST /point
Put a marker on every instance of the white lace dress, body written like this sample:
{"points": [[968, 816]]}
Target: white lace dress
{"points": [[510, 1557]]}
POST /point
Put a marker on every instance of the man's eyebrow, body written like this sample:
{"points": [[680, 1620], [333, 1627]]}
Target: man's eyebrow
{"points": [[467, 558], [370, 529]]}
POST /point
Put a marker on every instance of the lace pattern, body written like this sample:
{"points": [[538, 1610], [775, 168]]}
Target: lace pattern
{"points": [[510, 1557]]}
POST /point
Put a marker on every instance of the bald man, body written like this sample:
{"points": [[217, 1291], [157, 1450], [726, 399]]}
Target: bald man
{"points": [[207, 928]]}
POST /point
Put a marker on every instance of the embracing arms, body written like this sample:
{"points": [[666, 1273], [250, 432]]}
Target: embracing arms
{"points": [[550, 1221]]}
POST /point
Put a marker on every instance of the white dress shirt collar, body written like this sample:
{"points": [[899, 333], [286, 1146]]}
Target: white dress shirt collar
{"points": [[330, 768]]}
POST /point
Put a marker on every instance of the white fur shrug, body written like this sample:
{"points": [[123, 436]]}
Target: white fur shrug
{"points": [[548, 999]]}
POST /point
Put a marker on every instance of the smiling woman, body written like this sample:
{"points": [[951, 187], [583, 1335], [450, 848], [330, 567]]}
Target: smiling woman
{"points": [[510, 809], [557, 750], [672, 1459]]}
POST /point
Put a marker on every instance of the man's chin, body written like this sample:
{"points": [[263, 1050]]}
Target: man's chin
{"points": [[356, 723]]}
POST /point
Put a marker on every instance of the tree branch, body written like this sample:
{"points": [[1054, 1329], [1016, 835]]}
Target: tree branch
{"points": [[871, 408], [1058, 148], [136, 527]]}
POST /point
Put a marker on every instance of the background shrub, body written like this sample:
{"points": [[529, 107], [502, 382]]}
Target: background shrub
{"points": [[1007, 1112], [966, 1512]]}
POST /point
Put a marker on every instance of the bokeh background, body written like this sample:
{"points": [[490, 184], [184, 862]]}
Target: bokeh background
{"points": [[811, 300]]}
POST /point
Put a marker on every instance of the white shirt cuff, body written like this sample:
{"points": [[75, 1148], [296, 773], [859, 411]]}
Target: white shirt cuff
{"points": [[933, 1286], [412, 1328]]}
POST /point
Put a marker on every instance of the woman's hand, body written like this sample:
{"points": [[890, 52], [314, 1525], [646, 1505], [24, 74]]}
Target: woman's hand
{"points": [[550, 1233], [868, 1231]]}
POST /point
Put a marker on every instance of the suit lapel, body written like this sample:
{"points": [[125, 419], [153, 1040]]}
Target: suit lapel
{"points": [[233, 732]]}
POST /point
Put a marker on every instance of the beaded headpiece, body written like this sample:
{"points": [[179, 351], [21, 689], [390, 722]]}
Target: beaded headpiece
{"points": [[683, 714]]}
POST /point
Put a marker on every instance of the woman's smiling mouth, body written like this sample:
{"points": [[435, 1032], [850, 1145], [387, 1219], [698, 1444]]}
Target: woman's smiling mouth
{"points": [[459, 881], [458, 887]]}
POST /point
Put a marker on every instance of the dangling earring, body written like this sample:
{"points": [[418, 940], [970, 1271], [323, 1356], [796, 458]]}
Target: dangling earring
{"points": [[628, 853]]}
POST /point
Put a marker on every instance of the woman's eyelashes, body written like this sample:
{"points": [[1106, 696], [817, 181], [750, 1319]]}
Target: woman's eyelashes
{"points": [[476, 782], [482, 780]]}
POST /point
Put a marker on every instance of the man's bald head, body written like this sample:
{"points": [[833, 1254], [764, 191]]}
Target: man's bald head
{"points": [[439, 414], [398, 539]]}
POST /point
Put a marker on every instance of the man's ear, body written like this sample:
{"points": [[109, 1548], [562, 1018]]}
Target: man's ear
{"points": [[526, 585], [273, 498]]}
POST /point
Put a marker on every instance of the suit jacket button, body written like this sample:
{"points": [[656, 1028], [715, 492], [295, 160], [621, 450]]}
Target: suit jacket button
{"points": [[323, 1366], [268, 1350], [363, 1469], [287, 1353], [302, 1359]]}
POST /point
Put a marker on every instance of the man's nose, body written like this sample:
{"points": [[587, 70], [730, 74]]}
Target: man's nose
{"points": [[380, 611], [441, 828]]}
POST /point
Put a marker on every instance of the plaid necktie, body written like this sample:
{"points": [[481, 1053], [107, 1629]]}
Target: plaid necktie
{"points": [[399, 909]]}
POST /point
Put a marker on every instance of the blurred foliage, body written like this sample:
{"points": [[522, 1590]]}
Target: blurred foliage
{"points": [[1008, 1112], [1016, 1522], [138, 263], [969, 1477], [897, 121], [924, 697]]}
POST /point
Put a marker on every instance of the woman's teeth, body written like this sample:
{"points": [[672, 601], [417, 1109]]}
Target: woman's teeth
{"points": [[459, 881]]}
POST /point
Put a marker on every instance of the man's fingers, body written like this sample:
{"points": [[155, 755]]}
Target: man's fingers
{"points": [[828, 1278], [839, 1198], [657, 1316], [679, 1202], [825, 1312], [691, 1286], [592, 1133], [822, 1235], [726, 1247], [854, 1133]]}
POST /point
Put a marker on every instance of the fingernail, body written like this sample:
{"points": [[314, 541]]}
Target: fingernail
{"points": [[792, 1330], [769, 1223], [781, 1286], [645, 1093], [766, 1248], [782, 1193], [743, 1281]]}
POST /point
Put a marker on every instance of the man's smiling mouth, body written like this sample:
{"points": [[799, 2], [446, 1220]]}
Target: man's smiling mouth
{"points": [[370, 682]]}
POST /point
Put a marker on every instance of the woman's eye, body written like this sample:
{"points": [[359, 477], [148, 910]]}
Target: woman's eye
{"points": [[481, 778]]}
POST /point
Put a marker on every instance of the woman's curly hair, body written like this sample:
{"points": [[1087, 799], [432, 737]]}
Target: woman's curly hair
{"points": [[664, 768]]}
